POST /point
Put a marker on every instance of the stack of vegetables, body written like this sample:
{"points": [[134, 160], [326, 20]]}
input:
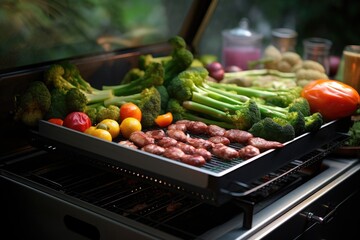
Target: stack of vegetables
{"points": [[173, 88]]}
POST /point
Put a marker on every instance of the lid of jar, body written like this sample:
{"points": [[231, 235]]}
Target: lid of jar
{"points": [[284, 33], [243, 31]]}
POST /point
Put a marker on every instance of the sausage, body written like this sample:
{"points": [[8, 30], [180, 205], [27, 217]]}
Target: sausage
{"points": [[214, 130], [140, 139], [166, 142], [196, 127], [153, 148], [177, 135], [156, 134], [194, 160], [224, 152], [237, 135], [248, 151], [200, 143], [177, 126], [219, 139], [263, 144], [173, 153]]}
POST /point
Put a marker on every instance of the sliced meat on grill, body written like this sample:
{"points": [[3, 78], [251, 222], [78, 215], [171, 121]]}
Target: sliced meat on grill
{"points": [[188, 149], [196, 127], [186, 122], [263, 144], [153, 148], [203, 152], [237, 135], [214, 130], [141, 139], [177, 135], [248, 151], [200, 143], [194, 160], [219, 139], [156, 134], [224, 152], [177, 126], [166, 142], [173, 153], [128, 143]]}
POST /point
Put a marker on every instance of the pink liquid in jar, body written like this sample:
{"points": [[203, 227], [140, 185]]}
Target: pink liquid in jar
{"points": [[240, 56]]}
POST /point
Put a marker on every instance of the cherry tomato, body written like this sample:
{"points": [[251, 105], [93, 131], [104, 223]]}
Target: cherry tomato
{"points": [[101, 133], [57, 121], [129, 125], [112, 126], [78, 121], [331, 98], [164, 120], [130, 110]]}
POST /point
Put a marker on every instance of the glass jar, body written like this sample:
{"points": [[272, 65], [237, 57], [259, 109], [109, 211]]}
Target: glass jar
{"points": [[284, 39], [241, 45], [318, 49]]}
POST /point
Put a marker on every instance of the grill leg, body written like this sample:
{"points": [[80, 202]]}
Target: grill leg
{"points": [[248, 208]]}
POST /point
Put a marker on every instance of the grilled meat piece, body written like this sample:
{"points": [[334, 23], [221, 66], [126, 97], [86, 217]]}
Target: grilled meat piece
{"points": [[194, 160], [128, 143], [153, 148], [156, 134], [141, 139], [219, 139], [224, 152], [173, 153], [196, 127], [177, 126], [237, 135], [188, 149], [263, 144], [177, 135], [203, 152], [214, 130], [166, 142], [248, 151], [200, 143]]}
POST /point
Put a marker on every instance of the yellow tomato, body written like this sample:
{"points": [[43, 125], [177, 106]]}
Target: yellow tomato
{"points": [[129, 125], [113, 127], [101, 133], [90, 130]]}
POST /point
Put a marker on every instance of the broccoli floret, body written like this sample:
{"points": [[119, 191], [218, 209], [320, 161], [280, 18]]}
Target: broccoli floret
{"points": [[109, 112], [181, 59], [132, 75], [153, 76], [33, 104], [53, 78], [354, 135], [164, 96], [98, 112], [148, 100], [72, 75], [146, 59], [76, 100], [58, 107], [273, 129], [313, 122]]}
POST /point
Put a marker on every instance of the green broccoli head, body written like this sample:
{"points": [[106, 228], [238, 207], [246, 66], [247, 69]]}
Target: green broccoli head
{"points": [[297, 120], [273, 129], [53, 78], [300, 104], [164, 96], [58, 108], [110, 112], [132, 75], [76, 100], [150, 106], [247, 115], [176, 109], [33, 104], [313, 122]]}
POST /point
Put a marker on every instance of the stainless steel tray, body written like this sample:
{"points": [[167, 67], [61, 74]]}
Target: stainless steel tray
{"points": [[212, 182]]}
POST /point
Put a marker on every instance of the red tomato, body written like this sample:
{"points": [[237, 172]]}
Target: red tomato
{"points": [[164, 120], [57, 121], [78, 121], [130, 110], [331, 98]]}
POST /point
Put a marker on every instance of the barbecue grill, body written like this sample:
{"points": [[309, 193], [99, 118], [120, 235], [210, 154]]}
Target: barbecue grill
{"points": [[61, 184]]}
